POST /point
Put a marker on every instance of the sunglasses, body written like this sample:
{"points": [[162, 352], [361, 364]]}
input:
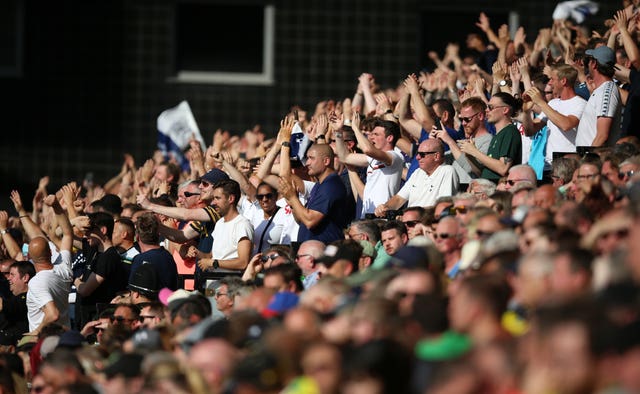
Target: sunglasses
{"points": [[461, 209], [443, 236], [512, 182], [266, 258], [468, 119], [142, 318], [483, 234], [629, 174], [189, 194], [411, 223], [268, 196], [120, 319], [423, 154], [492, 107]]}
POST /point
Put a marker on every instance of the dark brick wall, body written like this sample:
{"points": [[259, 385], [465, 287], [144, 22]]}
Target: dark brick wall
{"points": [[97, 74]]}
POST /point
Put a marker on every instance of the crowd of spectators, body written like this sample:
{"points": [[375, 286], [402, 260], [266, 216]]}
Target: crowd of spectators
{"points": [[475, 229]]}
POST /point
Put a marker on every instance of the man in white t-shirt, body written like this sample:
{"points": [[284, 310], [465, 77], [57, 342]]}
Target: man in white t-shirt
{"points": [[233, 234], [562, 113], [48, 295], [432, 180], [600, 122], [384, 164]]}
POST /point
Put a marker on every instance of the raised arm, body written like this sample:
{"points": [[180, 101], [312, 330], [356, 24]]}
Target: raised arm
{"points": [[174, 212], [13, 249], [350, 158], [63, 221], [227, 164], [365, 85], [423, 116], [407, 122], [29, 226], [564, 122], [367, 147], [630, 45]]}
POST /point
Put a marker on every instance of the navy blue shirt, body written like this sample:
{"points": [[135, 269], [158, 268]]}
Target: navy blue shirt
{"points": [[328, 197], [162, 262]]}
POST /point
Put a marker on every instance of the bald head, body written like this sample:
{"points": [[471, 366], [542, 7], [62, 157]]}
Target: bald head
{"points": [[545, 196], [323, 150], [39, 251]]}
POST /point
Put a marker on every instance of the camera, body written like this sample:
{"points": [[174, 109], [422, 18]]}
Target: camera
{"points": [[392, 214]]}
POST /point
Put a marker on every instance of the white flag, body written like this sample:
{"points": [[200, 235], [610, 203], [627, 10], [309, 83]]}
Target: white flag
{"points": [[176, 126]]}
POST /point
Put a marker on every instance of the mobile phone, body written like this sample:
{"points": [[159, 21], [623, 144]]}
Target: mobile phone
{"points": [[437, 122]]}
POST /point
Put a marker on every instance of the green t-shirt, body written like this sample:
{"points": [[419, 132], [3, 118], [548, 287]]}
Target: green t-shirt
{"points": [[506, 143]]}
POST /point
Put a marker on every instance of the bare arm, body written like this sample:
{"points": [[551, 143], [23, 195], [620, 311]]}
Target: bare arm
{"points": [[346, 157], [630, 45], [603, 125], [308, 217], [29, 226], [365, 85], [423, 116], [564, 122], [13, 249], [174, 212], [51, 314], [87, 288], [239, 263], [176, 235], [367, 147], [500, 166], [394, 203], [235, 174], [63, 221]]}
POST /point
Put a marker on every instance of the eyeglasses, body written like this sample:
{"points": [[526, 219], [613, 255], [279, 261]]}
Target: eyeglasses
{"points": [[411, 223], [483, 234], [189, 194], [120, 319], [588, 176], [423, 154], [268, 196], [142, 318], [219, 294], [299, 256], [492, 107], [443, 236], [622, 175], [266, 258], [547, 93], [468, 119]]}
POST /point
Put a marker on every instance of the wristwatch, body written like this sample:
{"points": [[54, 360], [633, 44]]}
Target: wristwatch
{"points": [[502, 83], [3, 231], [216, 264], [286, 143]]}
